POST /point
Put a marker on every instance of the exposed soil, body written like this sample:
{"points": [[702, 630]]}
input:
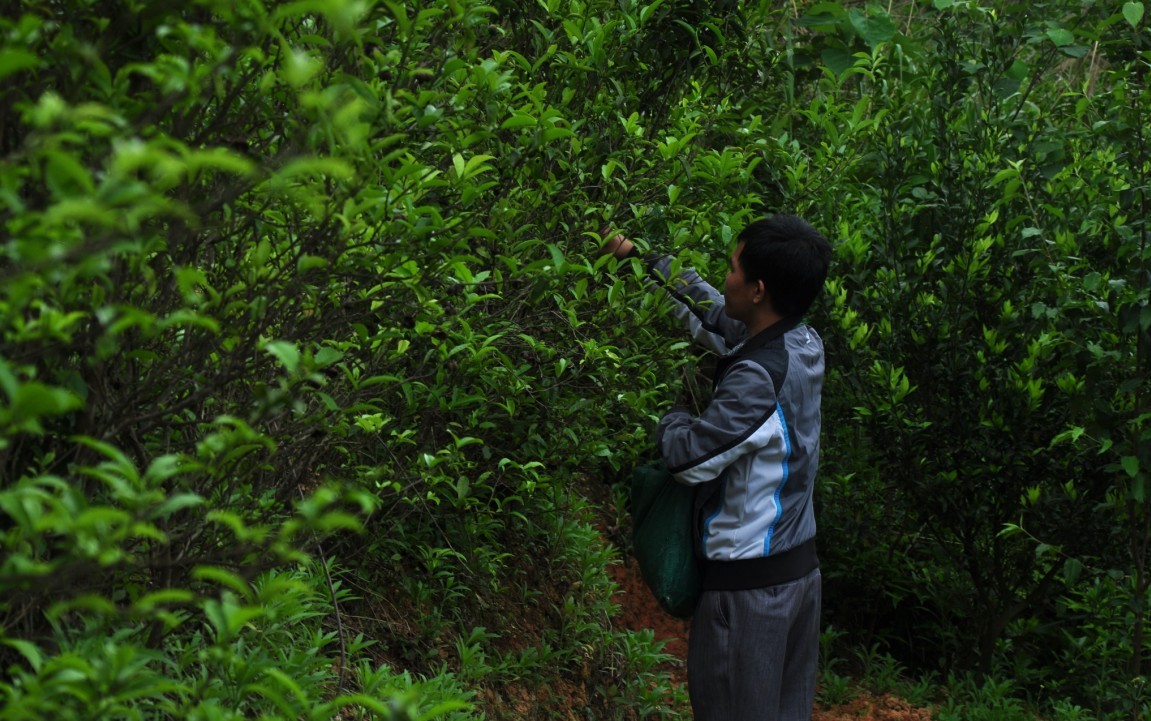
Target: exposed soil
{"points": [[639, 610], [571, 698], [872, 708]]}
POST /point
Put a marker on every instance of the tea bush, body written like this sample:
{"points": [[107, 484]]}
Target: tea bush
{"points": [[987, 419], [276, 275]]}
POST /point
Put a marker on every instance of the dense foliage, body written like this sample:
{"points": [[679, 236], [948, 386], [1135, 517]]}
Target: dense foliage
{"points": [[307, 358]]}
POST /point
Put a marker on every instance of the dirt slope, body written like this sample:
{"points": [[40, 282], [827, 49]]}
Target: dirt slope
{"points": [[638, 610]]}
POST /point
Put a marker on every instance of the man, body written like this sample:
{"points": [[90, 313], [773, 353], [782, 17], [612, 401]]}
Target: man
{"points": [[753, 454]]}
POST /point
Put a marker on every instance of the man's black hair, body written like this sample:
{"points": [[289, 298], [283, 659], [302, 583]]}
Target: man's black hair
{"points": [[790, 257]]}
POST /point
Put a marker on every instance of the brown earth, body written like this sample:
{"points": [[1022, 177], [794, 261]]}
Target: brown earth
{"points": [[572, 698], [639, 610]]}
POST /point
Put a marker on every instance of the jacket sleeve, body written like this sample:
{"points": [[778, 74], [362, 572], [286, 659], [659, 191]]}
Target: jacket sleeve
{"points": [[736, 422], [698, 306]]}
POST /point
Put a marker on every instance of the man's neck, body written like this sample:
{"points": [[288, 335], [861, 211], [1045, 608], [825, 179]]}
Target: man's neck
{"points": [[762, 321]]}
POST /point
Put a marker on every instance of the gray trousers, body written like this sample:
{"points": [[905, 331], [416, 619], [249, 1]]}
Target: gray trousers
{"points": [[753, 655]]}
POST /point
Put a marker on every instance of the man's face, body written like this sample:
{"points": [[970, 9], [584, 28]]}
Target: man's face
{"points": [[738, 293]]}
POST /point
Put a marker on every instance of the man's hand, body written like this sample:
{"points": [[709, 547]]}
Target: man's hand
{"points": [[616, 244]]}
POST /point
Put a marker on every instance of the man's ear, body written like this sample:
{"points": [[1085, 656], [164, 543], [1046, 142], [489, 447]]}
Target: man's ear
{"points": [[762, 297]]}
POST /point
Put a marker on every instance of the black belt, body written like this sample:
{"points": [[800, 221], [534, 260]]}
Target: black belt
{"points": [[790, 565]]}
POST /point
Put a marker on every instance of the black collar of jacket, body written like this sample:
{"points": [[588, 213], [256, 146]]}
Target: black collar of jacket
{"points": [[759, 340]]}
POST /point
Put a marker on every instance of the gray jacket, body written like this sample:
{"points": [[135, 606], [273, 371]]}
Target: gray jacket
{"points": [[759, 436]]}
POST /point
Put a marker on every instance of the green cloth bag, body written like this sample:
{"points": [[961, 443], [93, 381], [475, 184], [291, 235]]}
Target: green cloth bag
{"points": [[662, 516]]}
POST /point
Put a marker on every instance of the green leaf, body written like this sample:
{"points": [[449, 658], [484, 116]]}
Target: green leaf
{"points": [[300, 67], [163, 467], [1072, 569], [367, 702], [316, 167], [287, 353], [472, 167], [27, 649], [1131, 465], [825, 17], [35, 400], [875, 27], [310, 262], [13, 60], [646, 12], [228, 617], [326, 356], [401, 15], [1133, 13], [442, 709], [558, 261], [1018, 70], [66, 176], [518, 120], [163, 597], [839, 60], [221, 159], [91, 602], [188, 318], [555, 133], [177, 503], [1061, 36], [1071, 435], [8, 381], [287, 682], [223, 577]]}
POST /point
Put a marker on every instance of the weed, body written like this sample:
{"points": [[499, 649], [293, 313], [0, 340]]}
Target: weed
{"points": [[881, 672], [834, 689], [970, 699]]}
